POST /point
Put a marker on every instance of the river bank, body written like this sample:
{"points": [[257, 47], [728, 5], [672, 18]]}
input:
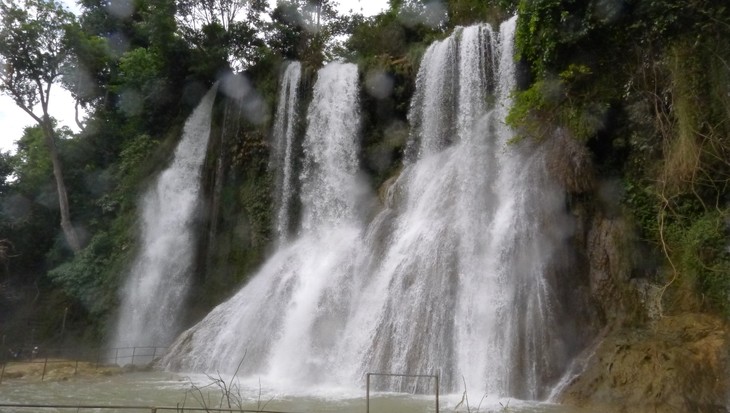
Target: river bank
{"points": [[57, 369]]}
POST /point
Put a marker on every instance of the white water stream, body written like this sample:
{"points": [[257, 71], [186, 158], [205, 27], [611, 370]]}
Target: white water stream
{"points": [[157, 285], [282, 302], [282, 162]]}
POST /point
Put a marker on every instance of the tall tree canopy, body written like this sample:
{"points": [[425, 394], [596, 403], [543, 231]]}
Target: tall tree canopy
{"points": [[32, 53], [227, 28]]}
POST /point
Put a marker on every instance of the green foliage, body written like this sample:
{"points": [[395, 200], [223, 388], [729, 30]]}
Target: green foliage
{"points": [[92, 277], [29, 204], [133, 154], [140, 80], [562, 101], [90, 68], [132, 168], [32, 49], [225, 33], [388, 51], [244, 214], [32, 164], [387, 36], [139, 66], [544, 26], [466, 12], [642, 202], [645, 84], [613, 39], [306, 30], [703, 256], [31, 228], [6, 171], [256, 189], [256, 200]]}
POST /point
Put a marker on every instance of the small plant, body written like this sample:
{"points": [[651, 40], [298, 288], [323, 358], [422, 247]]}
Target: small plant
{"points": [[229, 395], [465, 400]]}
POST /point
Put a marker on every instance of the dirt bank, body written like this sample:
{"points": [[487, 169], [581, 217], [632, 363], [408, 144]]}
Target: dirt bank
{"points": [[678, 364], [55, 370]]}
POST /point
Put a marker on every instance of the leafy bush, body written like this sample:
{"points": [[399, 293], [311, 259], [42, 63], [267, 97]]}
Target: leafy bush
{"points": [[92, 277], [704, 257], [559, 101], [646, 85]]}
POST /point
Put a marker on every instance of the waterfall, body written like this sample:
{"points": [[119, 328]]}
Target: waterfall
{"points": [[432, 104], [440, 285], [281, 323], [156, 287], [454, 276], [282, 159]]}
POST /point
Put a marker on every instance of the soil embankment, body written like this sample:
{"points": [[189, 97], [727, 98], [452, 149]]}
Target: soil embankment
{"points": [[55, 370], [680, 364]]}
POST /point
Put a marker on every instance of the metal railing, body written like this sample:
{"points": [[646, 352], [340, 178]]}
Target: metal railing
{"points": [[137, 353], [154, 409], [151, 409], [99, 357], [417, 376]]}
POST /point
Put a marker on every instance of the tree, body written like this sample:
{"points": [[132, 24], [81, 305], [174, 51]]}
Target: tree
{"points": [[196, 14], [306, 30], [6, 171], [32, 53], [225, 31]]}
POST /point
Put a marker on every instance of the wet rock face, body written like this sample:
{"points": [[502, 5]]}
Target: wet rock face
{"points": [[621, 295], [608, 264], [569, 161], [642, 361], [678, 364], [600, 236]]}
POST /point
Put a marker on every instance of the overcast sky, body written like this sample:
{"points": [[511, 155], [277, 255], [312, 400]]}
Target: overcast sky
{"points": [[13, 119]]}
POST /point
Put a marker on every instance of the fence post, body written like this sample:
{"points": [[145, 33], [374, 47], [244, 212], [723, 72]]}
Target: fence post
{"points": [[437, 393], [367, 398], [116, 356], [5, 363], [76, 369], [63, 323], [134, 350], [45, 363]]}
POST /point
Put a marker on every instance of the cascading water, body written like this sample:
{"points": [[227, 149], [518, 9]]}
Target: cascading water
{"points": [[157, 285], [463, 272], [282, 322], [433, 101], [452, 277], [285, 126], [442, 293]]}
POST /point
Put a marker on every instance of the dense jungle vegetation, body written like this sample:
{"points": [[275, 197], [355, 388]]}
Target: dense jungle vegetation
{"points": [[643, 84]]}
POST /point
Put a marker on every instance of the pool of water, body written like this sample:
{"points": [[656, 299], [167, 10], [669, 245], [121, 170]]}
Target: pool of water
{"points": [[168, 389]]}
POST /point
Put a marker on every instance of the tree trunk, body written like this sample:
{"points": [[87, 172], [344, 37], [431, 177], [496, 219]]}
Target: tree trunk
{"points": [[319, 15], [72, 237]]}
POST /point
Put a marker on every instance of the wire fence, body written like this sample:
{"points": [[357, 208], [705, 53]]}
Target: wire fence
{"points": [[148, 354], [103, 356], [132, 409]]}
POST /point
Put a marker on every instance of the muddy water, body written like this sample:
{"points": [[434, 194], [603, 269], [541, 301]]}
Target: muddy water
{"points": [[166, 389]]}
